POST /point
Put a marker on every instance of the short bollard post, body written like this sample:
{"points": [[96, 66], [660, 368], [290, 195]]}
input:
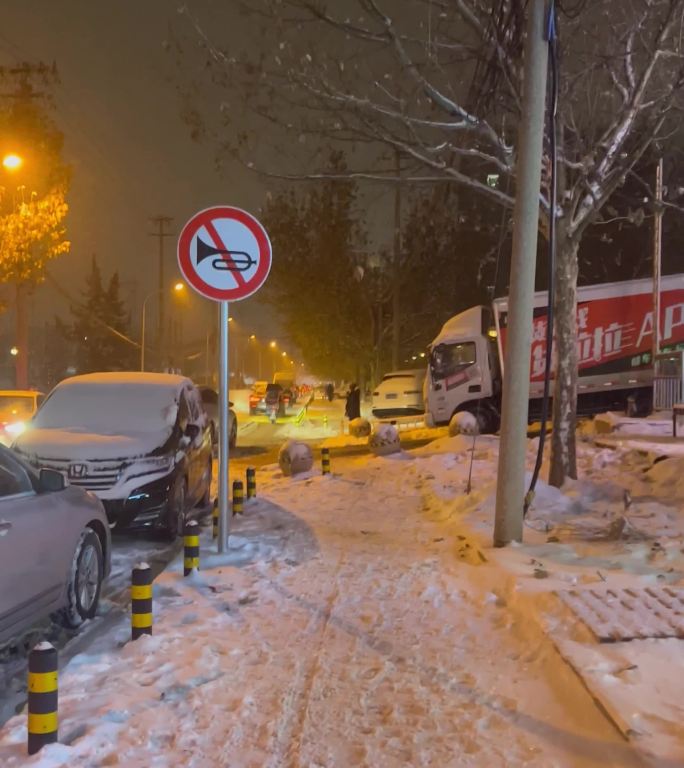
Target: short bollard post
{"points": [[325, 421], [215, 520], [141, 601], [325, 460], [238, 497], [190, 547], [251, 483], [42, 697]]}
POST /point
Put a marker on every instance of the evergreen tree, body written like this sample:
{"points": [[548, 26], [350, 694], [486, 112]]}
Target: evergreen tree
{"points": [[96, 320]]}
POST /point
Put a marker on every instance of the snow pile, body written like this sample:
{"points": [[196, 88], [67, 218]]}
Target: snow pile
{"points": [[463, 423], [611, 422], [294, 458], [359, 427], [384, 440]]}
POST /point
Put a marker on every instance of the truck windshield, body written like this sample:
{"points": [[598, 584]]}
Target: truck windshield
{"points": [[448, 359]]}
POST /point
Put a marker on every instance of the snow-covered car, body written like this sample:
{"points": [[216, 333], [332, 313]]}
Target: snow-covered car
{"points": [[141, 442], [54, 548], [17, 407], [400, 393], [210, 401]]}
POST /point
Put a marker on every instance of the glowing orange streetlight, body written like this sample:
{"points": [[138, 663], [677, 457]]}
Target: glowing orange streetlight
{"points": [[12, 161]]}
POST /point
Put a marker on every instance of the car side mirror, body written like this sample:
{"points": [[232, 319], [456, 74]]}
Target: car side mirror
{"points": [[192, 431], [52, 480], [230, 404]]}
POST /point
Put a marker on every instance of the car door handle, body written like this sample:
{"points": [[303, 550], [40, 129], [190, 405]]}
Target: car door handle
{"points": [[4, 527]]}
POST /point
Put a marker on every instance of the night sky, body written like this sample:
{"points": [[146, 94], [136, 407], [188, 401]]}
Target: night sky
{"points": [[129, 150]]}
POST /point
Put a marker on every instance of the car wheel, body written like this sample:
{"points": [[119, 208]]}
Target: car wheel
{"points": [[85, 581], [232, 440], [175, 508]]}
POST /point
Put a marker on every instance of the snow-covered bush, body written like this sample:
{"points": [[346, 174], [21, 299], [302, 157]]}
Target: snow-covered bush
{"points": [[463, 423], [359, 427], [295, 457], [384, 440]]}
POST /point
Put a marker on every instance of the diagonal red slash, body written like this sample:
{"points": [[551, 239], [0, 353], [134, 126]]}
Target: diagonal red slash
{"points": [[218, 243]]}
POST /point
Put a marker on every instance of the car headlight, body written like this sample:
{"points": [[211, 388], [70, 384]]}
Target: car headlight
{"points": [[156, 463], [16, 428]]}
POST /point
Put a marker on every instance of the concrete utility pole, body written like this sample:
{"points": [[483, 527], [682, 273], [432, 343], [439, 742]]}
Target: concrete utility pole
{"points": [[510, 488], [161, 222], [657, 253]]}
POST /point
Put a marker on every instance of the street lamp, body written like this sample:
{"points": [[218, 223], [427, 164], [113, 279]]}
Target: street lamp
{"points": [[14, 351], [12, 161], [177, 288], [253, 338]]}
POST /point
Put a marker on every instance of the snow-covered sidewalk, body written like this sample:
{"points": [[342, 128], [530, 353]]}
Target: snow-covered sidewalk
{"points": [[361, 620]]}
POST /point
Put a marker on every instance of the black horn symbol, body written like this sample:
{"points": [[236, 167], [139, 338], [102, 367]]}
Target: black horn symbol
{"points": [[239, 261]]}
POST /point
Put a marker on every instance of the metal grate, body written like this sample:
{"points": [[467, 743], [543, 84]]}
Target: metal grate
{"points": [[629, 614], [668, 380]]}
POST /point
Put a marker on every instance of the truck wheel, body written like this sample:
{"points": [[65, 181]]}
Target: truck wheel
{"points": [[85, 581]]}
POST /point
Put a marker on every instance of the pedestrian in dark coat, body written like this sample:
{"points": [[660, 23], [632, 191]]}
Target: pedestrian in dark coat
{"points": [[329, 392], [352, 409]]}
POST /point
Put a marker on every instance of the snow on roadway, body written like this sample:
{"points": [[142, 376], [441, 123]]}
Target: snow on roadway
{"points": [[356, 622]]}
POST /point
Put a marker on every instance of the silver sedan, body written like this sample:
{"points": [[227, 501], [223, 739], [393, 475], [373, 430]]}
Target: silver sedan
{"points": [[54, 548]]}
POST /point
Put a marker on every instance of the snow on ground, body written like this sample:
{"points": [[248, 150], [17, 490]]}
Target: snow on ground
{"points": [[652, 435], [363, 619]]}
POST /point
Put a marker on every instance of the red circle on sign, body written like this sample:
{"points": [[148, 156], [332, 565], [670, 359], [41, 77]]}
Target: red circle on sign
{"points": [[206, 219]]}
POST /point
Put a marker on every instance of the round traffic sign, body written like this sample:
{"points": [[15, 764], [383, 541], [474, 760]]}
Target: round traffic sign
{"points": [[224, 253]]}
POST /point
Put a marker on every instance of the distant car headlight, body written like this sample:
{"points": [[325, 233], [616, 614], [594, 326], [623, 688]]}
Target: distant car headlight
{"points": [[16, 428]]}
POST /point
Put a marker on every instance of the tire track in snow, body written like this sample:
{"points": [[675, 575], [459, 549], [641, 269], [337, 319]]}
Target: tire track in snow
{"points": [[296, 704]]}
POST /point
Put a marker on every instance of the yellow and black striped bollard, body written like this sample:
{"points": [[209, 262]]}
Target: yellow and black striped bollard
{"points": [[141, 601], [191, 547], [251, 483], [325, 461], [42, 697], [215, 520], [238, 497]]}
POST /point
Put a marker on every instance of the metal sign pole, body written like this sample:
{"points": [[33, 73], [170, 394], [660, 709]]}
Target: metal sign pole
{"points": [[224, 429]]}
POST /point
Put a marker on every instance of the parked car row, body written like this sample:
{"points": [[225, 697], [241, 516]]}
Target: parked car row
{"points": [[103, 450]]}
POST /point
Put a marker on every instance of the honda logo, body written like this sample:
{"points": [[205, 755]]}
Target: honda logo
{"points": [[78, 470]]}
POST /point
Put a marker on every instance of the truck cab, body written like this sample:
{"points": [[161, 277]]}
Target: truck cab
{"points": [[463, 370]]}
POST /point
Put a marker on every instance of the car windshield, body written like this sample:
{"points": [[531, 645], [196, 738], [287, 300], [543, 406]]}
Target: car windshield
{"points": [[16, 407], [110, 409], [448, 359]]}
